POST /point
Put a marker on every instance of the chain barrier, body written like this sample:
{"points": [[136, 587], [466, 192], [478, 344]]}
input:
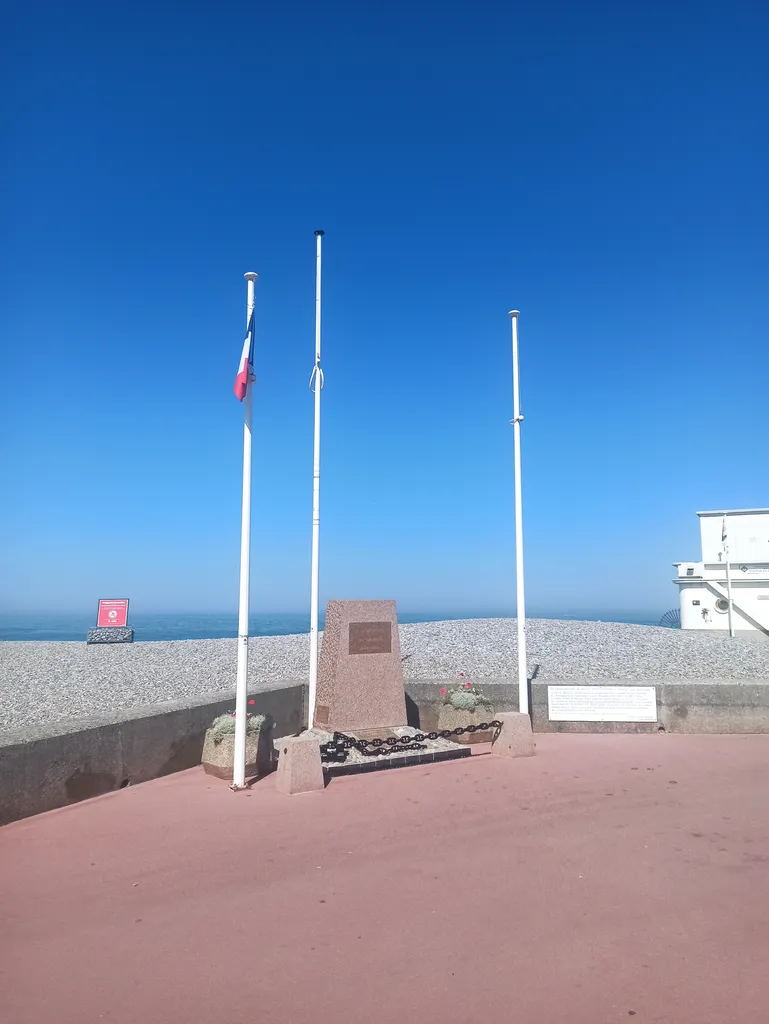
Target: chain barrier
{"points": [[335, 751]]}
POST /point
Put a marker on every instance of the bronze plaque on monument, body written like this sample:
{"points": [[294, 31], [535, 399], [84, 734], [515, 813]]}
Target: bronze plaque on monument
{"points": [[370, 638]]}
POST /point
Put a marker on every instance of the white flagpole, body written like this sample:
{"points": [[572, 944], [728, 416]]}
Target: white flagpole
{"points": [[316, 385], [241, 689], [728, 579], [523, 682]]}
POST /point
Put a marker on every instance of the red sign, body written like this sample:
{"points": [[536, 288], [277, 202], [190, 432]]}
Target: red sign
{"points": [[112, 612]]}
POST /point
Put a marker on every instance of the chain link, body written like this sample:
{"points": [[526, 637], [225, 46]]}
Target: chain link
{"points": [[335, 751]]}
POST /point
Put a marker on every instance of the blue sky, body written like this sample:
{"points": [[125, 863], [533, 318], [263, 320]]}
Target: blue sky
{"points": [[600, 167]]}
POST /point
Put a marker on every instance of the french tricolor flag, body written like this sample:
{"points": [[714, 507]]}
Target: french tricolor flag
{"points": [[246, 366]]}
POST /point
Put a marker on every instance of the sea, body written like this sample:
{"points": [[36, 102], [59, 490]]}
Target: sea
{"points": [[211, 626]]}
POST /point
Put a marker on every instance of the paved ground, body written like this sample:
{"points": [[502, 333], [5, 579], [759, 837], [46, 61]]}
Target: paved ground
{"points": [[611, 878]]}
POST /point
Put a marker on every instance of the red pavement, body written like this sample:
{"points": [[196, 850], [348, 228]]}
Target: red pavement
{"points": [[610, 878]]}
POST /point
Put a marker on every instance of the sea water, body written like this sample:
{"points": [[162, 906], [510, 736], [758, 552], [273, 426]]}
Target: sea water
{"points": [[212, 626]]}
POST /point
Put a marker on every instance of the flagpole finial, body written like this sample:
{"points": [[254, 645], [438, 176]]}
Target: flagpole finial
{"points": [[251, 276], [514, 312], [319, 233]]}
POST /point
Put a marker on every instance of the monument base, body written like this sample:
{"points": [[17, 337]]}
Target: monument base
{"points": [[110, 635], [357, 763], [405, 760]]}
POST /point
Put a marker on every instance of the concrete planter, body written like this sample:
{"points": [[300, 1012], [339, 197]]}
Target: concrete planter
{"points": [[218, 758], [450, 717]]}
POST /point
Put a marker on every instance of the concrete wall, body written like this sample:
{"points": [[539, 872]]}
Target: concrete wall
{"points": [[70, 761], [706, 706], [423, 699]]}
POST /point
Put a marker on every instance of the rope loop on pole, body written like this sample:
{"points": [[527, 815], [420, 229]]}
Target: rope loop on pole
{"points": [[317, 374]]}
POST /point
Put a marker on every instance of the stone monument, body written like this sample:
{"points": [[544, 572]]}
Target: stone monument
{"points": [[360, 677]]}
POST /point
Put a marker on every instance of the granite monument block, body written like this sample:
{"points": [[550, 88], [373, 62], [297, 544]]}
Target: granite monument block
{"points": [[360, 677]]}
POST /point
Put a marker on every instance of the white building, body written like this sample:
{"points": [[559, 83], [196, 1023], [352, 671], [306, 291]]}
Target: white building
{"points": [[703, 585]]}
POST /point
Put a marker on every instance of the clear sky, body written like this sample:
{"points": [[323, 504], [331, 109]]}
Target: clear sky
{"points": [[602, 167]]}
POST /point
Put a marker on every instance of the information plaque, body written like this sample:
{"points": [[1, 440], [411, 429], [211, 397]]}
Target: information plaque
{"points": [[602, 703], [112, 612]]}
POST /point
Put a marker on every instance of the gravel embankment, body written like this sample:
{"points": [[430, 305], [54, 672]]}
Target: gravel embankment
{"points": [[44, 681]]}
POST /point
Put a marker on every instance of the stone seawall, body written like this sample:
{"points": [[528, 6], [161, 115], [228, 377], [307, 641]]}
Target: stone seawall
{"points": [[70, 760]]}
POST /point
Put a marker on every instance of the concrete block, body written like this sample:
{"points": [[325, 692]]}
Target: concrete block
{"points": [[515, 738], [218, 759], [110, 635], [299, 766], [456, 718]]}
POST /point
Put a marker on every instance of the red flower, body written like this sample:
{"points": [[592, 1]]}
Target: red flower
{"points": [[468, 685], [232, 715], [252, 701], [461, 673], [442, 692]]}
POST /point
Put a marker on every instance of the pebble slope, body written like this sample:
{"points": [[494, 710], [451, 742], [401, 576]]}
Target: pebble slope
{"points": [[44, 681]]}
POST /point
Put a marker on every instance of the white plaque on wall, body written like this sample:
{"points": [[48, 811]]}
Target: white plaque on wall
{"points": [[602, 703]]}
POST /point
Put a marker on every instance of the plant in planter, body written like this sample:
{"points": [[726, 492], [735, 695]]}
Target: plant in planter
{"points": [[462, 705], [219, 746]]}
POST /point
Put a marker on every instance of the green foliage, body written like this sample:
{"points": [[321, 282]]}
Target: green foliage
{"points": [[224, 725], [463, 700], [466, 697]]}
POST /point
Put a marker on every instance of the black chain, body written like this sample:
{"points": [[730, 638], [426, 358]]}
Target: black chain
{"points": [[336, 749]]}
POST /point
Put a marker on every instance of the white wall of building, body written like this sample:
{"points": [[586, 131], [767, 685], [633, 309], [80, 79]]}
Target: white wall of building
{"points": [[702, 585], [747, 533], [703, 605]]}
